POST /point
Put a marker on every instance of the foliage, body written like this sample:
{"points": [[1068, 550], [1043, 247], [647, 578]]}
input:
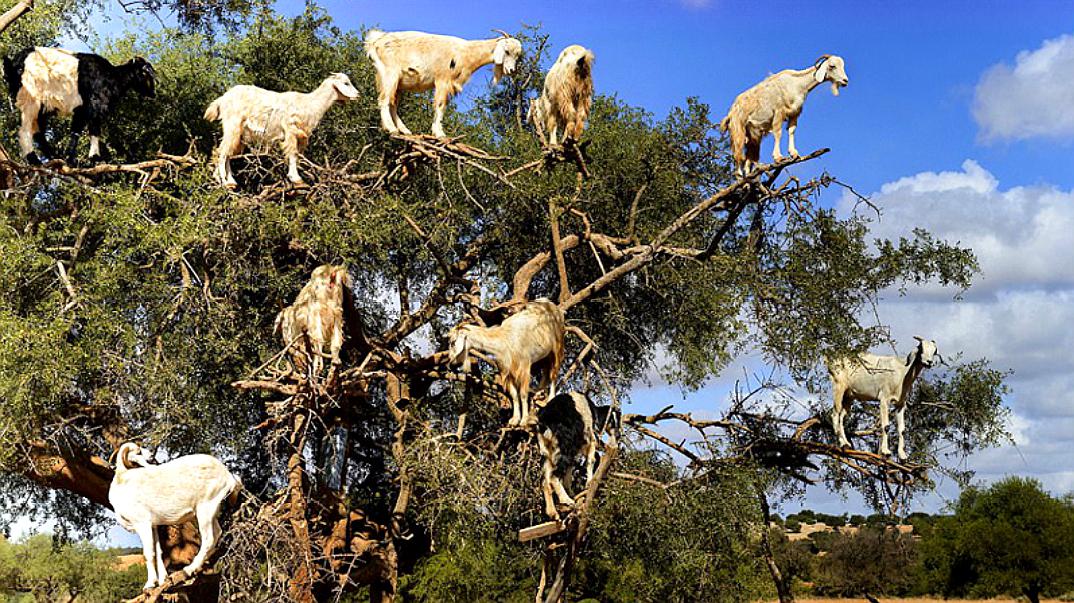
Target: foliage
{"points": [[50, 570], [640, 549], [1011, 538], [874, 561]]}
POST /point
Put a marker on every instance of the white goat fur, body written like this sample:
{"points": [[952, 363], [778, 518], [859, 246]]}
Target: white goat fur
{"points": [[568, 93], [764, 107], [414, 61], [886, 379], [533, 336], [189, 488], [315, 319], [49, 83], [252, 115]]}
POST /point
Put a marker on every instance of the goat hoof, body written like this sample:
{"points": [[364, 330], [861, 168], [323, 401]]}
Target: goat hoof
{"points": [[33, 159]]}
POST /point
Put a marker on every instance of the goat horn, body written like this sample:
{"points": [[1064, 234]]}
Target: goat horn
{"points": [[502, 33], [919, 338], [821, 59]]}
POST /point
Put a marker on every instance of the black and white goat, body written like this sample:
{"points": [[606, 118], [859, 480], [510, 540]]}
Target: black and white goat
{"points": [[567, 429], [85, 86]]}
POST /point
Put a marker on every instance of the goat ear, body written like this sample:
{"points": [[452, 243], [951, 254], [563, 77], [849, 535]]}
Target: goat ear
{"points": [[500, 52], [819, 74]]}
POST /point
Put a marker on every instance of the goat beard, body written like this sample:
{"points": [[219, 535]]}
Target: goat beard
{"points": [[835, 89], [497, 73]]}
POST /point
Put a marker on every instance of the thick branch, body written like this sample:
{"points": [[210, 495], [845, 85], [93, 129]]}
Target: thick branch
{"points": [[21, 7], [718, 201]]}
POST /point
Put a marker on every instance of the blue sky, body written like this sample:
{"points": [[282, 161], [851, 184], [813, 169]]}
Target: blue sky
{"points": [[959, 117], [912, 66]]}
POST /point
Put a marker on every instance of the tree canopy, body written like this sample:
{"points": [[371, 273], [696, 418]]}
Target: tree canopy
{"points": [[132, 301]]}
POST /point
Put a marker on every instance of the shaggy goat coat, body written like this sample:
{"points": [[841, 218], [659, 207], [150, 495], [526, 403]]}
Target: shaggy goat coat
{"points": [[315, 319], [255, 116], [529, 340], [567, 95]]}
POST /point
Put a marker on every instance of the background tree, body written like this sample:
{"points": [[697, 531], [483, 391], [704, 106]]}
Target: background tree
{"points": [[132, 302], [1012, 537]]}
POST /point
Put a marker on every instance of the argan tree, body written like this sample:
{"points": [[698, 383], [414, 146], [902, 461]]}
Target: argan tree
{"points": [[138, 300]]}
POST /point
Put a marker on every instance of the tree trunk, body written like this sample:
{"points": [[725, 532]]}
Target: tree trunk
{"points": [[301, 587], [782, 588]]}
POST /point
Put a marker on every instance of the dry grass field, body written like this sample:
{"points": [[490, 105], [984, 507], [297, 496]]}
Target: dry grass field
{"points": [[917, 600]]}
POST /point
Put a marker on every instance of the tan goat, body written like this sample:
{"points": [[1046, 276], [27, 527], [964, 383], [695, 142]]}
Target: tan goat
{"points": [[764, 107], [252, 115], [413, 61], [568, 93], [532, 337], [316, 318]]}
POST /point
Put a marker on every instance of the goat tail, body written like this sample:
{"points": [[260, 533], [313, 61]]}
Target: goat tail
{"points": [[212, 113], [725, 123], [236, 490]]}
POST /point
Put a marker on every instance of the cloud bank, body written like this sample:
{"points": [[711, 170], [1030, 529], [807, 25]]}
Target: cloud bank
{"points": [[1032, 99]]}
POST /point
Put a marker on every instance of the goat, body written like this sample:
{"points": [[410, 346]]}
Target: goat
{"points": [[413, 61], [249, 114], [887, 379], [144, 496], [568, 426], [533, 336], [778, 98], [315, 319], [85, 86], [568, 93]]}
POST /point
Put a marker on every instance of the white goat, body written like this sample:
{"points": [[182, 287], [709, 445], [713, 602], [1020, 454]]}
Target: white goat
{"points": [[531, 337], [568, 93], [568, 427], [764, 107], [252, 115], [188, 488], [413, 61], [316, 318], [887, 379]]}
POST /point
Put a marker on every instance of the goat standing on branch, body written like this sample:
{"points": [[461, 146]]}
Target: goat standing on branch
{"points": [[568, 93], [413, 61], [887, 379], [254, 115], [567, 429], [764, 107], [534, 336], [85, 86], [189, 488], [316, 318]]}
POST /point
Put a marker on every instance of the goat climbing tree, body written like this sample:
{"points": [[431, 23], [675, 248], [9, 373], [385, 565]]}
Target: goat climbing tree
{"points": [[138, 303]]}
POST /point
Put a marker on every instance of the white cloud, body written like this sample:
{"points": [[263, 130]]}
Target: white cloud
{"points": [[1022, 235], [1020, 315], [1032, 98]]}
